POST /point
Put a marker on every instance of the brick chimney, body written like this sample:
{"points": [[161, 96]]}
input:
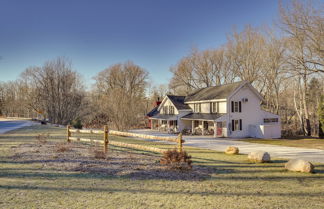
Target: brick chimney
{"points": [[157, 102]]}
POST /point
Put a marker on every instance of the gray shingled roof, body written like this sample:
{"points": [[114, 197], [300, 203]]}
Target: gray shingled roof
{"points": [[202, 116], [213, 92], [178, 102], [164, 117], [153, 112]]}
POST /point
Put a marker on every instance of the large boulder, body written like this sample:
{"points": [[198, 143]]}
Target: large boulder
{"points": [[232, 150], [259, 157], [299, 165]]}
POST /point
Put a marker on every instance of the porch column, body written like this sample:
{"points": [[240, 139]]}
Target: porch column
{"points": [[159, 125], [168, 125], [152, 124], [215, 129], [192, 126], [203, 128]]}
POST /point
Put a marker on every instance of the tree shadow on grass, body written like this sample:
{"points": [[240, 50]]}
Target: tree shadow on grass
{"points": [[163, 192]]}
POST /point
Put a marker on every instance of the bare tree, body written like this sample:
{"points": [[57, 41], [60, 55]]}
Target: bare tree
{"points": [[55, 89], [121, 93], [246, 52]]}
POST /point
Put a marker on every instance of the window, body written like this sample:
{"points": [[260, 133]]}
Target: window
{"points": [[197, 107], [171, 110], [196, 123], [214, 107], [236, 106], [165, 110], [237, 125], [270, 120]]}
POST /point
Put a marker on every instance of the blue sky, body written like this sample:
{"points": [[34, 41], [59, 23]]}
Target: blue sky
{"points": [[96, 34]]}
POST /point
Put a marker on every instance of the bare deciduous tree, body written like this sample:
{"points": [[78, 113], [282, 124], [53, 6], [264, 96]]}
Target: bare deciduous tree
{"points": [[55, 89], [121, 92]]}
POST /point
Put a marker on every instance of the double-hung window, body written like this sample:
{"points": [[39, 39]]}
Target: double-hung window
{"points": [[197, 107], [171, 110], [236, 106], [214, 107], [237, 125]]}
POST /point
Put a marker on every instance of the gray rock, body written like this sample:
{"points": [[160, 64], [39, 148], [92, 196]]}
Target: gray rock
{"points": [[259, 157], [299, 165]]}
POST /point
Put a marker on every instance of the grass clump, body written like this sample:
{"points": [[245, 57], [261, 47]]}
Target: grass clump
{"points": [[42, 138], [62, 147], [176, 160], [99, 154]]}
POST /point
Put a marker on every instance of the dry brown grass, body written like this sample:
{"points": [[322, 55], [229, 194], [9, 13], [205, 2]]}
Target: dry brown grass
{"points": [[62, 147], [313, 143]]}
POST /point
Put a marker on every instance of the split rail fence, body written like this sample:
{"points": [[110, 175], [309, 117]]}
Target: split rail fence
{"points": [[106, 141]]}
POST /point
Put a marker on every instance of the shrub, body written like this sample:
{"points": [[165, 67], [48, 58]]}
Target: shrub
{"points": [[42, 138], [98, 154], [77, 124], [62, 147], [176, 160]]}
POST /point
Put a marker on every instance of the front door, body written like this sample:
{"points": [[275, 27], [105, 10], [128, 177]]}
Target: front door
{"points": [[219, 129]]}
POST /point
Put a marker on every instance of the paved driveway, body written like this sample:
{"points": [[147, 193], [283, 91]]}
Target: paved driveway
{"points": [[8, 125], [220, 144]]}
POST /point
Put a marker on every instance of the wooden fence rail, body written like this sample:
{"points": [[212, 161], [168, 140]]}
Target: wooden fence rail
{"points": [[106, 140]]}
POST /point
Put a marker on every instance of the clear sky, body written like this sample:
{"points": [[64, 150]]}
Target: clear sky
{"points": [[95, 34]]}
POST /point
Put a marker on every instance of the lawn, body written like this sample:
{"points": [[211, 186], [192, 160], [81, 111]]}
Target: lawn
{"points": [[232, 183], [313, 143]]}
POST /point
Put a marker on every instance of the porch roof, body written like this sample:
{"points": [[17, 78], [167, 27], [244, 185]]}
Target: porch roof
{"points": [[164, 117], [202, 116]]}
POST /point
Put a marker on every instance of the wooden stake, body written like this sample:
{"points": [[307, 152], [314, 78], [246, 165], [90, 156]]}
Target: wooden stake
{"points": [[180, 142], [106, 140], [68, 133]]}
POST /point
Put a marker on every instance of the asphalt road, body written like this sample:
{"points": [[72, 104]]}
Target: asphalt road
{"points": [[9, 125]]}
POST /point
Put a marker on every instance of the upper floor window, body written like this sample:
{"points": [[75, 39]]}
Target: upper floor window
{"points": [[165, 110], [197, 107], [214, 107], [171, 110], [236, 106]]}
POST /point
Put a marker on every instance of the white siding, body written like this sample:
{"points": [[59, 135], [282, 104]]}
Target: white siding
{"points": [[250, 114], [222, 107]]}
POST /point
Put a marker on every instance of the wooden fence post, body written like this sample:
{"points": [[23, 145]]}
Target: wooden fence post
{"points": [[106, 140], [180, 142], [68, 133]]}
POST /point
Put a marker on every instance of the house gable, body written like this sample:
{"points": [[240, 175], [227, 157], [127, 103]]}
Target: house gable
{"points": [[174, 101]]}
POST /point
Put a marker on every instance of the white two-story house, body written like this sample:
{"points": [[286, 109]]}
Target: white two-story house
{"points": [[231, 110]]}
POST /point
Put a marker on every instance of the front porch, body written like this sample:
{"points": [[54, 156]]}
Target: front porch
{"points": [[206, 127], [165, 125]]}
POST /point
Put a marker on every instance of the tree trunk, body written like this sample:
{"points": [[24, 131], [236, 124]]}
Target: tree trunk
{"points": [[320, 130]]}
